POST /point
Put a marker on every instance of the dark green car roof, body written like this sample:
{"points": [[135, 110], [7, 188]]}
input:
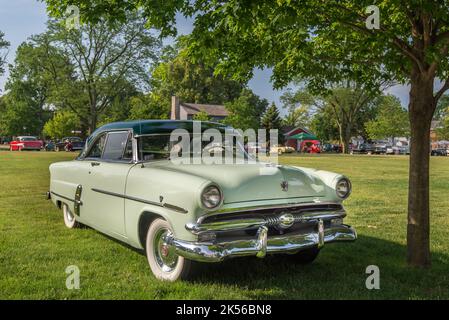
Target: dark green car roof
{"points": [[142, 127]]}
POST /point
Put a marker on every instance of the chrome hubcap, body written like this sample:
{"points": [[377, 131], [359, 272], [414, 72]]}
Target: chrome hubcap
{"points": [[164, 253]]}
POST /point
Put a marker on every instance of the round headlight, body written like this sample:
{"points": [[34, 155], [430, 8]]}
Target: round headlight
{"points": [[343, 188], [211, 197]]}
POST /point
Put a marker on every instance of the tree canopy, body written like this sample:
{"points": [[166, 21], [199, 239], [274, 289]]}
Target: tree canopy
{"points": [[192, 81], [246, 111], [106, 57], [391, 120]]}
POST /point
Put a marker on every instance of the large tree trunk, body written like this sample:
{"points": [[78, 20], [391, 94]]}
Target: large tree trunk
{"points": [[421, 110], [345, 137]]}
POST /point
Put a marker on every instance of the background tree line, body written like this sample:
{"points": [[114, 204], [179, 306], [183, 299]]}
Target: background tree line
{"points": [[65, 80]]}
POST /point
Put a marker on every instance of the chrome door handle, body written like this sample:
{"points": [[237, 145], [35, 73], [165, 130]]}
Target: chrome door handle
{"points": [[94, 164]]}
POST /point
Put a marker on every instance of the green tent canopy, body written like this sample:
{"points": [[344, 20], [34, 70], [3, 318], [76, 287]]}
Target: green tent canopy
{"points": [[303, 136]]}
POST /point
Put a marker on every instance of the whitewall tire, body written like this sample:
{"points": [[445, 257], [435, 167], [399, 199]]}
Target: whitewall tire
{"points": [[164, 262], [69, 217]]}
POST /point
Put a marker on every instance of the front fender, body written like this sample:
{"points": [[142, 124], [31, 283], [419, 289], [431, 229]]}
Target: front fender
{"points": [[135, 211], [329, 179]]}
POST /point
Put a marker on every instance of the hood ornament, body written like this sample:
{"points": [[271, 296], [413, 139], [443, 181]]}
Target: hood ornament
{"points": [[284, 186]]}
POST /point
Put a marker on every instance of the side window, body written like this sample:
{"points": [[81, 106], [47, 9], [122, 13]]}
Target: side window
{"points": [[115, 145], [128, 154], [97, 149]]}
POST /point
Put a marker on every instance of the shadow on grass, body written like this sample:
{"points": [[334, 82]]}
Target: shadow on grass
{"points": [[339, 272]]}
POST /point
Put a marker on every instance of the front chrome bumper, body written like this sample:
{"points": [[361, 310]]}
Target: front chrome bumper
{"points": [[262, 244]]}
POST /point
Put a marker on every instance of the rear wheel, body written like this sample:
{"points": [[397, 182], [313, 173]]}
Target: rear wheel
{"points": [[69, 218], [305, 256], [162, 258]]}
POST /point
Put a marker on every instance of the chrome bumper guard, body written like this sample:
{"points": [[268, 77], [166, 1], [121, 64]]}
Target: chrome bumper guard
{"points": [[262, 244]]}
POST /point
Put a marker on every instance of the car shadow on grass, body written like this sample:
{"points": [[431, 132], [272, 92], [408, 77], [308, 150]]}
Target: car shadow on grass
{"points": [[339, 272]]}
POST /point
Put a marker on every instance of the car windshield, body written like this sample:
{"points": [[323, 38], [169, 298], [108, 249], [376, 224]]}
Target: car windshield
{"points": [[161, 146], [28, 139]]}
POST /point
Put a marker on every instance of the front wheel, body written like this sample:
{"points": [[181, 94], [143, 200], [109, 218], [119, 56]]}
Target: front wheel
{"points": [[305, 256], [162, 258]]}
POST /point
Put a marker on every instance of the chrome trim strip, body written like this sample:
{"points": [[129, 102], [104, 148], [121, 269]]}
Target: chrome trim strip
{"points": [[78, 202], [109, 193], [261, 245], [266, 207], [61, 196], [270, 199], [253, 223], [174, 208], [123, 196]]}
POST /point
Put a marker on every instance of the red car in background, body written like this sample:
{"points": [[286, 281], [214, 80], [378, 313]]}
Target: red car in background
{"points": [[25, 143]]}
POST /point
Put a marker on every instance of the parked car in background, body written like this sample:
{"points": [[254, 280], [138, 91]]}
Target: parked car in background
{"points": [[282, 149], [363, 148], [69, 144], [253, 147], [380, 147], [125, 184], [439, 152], [328, 147], [26, 143]]}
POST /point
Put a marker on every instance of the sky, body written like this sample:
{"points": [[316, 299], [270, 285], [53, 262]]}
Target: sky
{"points": [[19, 19]]}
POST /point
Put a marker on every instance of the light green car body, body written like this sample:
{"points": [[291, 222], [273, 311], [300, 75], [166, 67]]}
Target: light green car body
{"points": [[117, 197]]}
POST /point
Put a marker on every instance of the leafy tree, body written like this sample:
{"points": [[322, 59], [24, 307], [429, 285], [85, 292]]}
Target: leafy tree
{"points": [[443, 130], [121, 103], [246, 111], [322, 42], [391, 120], [147, 107], [271, 119], [191, 81], [62, 124], [324, 126], [107, 57], [28, 88], [201, 116], [3, 46], [298, 115], [442, 106], [347, 107]]}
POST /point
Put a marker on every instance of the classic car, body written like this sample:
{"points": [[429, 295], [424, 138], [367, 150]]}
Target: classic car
{"points": [[380, 147], [69, 144], [125, 185], [327, 147], [25, 143], [439, 152], [364, 148], [282, 149]]}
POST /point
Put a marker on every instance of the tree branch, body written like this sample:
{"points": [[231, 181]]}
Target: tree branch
{"points": [[443, 89]]}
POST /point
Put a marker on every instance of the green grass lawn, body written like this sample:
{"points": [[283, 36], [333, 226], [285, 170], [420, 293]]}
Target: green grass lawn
{"points": [[36, 248]]}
